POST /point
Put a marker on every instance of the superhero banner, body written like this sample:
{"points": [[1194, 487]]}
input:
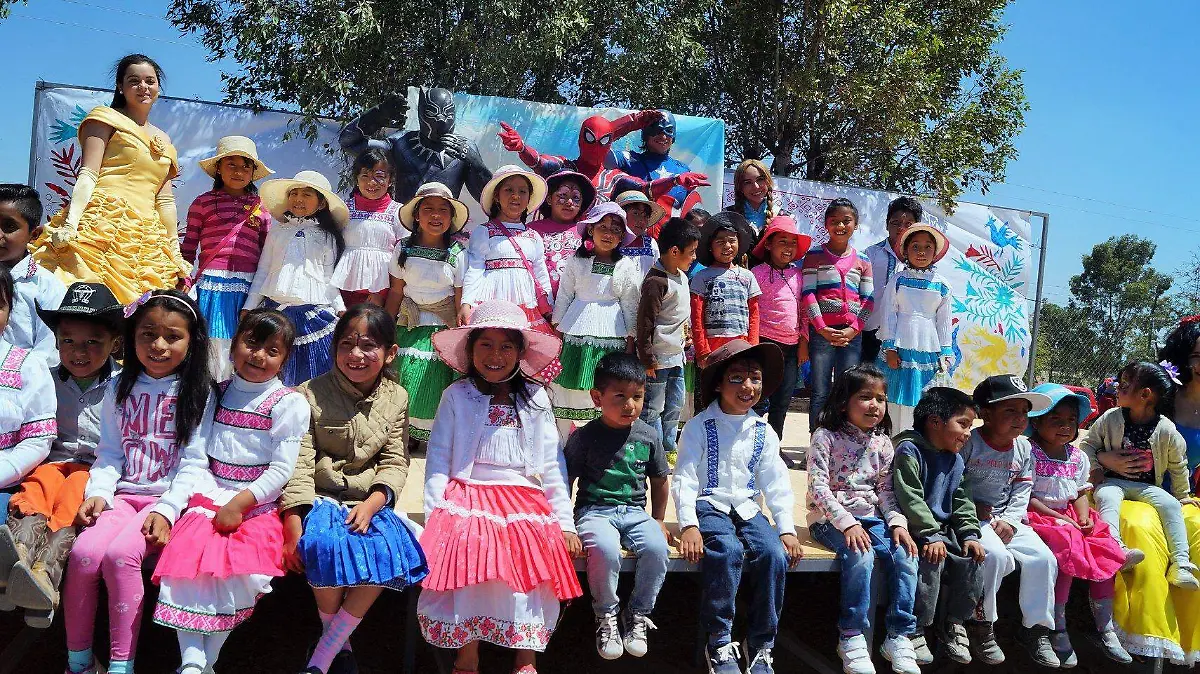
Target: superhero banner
{"points": [[195, 127], [990, 268]]}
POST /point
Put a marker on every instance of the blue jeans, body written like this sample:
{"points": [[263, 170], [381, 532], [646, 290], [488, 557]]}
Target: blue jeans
{"points": [[5, 497], [856, 577], [775, 408], [828, 361], [664, 400], [733, 545], [604, 530]]}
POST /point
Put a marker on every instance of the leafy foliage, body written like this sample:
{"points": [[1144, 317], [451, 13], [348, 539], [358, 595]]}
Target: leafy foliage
{"points": [[903, 95]]}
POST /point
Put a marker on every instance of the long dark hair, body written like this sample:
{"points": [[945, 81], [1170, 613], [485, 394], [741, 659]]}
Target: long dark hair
{"points": [[381, 327], [327, 224], [833, 415], [367, 159], [521, 386], [195, 383], [1154, 377], [1178, 347], [218, 183], [447, 236], [120, 69]]}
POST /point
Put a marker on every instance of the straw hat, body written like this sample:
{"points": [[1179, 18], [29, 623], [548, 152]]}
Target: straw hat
{"points": [[787, 225], [540, 348], [536, 196], [941, 244], [632, 197], [235, 146], [596, 213], [408, 211], [274, 194], [765, 353]]}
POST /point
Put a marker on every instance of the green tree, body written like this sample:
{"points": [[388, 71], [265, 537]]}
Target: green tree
{"points": [[906, 95]]}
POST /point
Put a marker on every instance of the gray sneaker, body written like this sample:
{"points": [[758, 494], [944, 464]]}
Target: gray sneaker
{"points": [[924, 655], [1182, 575], [956, 643], [1062, 648], [1037, 641], [1133, 557], [724, 659], [1111, 646], [983, 642]]}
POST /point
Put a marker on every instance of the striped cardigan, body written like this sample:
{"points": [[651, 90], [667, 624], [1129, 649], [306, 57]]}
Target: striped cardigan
{"points": [[837, 290]]}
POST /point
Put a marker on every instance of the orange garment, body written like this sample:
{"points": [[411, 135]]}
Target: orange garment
{"points": [[54, 490]]}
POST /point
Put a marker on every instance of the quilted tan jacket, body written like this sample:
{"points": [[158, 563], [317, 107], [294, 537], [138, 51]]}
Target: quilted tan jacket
{"points": [[353, 442]]}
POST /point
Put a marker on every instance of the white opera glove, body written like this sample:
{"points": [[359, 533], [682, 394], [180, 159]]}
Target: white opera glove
{"points": [[85, 184]]}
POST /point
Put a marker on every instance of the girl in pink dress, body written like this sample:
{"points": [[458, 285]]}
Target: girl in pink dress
{"points": [[1060, 513], [571, 194]]}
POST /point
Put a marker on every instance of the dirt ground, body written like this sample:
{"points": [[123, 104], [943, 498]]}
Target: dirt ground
{"points": [[276, 638]]}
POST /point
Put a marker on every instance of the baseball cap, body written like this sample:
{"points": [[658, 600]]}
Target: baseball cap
{"points": [[1001, 387]]}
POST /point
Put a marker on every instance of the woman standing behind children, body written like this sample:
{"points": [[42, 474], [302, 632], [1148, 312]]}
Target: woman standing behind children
{"points": [[499, 527], [754, 194], [1059, 512], [838, 297], [853, 511], [295, 272], [595, 310], [154, 424], [427, 277], [779, 310], [227, 547], [372, 233], [353, 463], [1144, 392], [915, 330], [228, 226]]}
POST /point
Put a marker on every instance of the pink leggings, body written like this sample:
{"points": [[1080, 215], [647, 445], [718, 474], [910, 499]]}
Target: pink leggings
{"points": [[1097, 589], [113, 547]]}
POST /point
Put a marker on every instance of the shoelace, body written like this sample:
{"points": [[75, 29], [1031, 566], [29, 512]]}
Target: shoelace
{"points": [[763, 656], [730, 651], [607, 627], [641, 624]]}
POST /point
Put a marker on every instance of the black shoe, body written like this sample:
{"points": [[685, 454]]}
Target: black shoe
{"points": [[343, 663]]}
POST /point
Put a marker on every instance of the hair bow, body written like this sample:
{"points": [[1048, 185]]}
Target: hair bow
{"points": [[1172, 371], [1189, 319], [133, 306]]}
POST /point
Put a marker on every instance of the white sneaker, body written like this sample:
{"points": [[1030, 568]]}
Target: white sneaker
{"points": [[636, 628], [608, 637], [1133, 557], [1183, 576], [899, 651], [921, 647], [856, 655]]}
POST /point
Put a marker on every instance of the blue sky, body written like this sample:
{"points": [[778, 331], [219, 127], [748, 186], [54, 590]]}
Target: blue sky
{"points": [[1108, 148]]}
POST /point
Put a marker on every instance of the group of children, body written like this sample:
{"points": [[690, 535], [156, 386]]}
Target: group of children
{"points": [[950, 508]]}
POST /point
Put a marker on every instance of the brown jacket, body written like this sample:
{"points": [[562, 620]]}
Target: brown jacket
{"points": [[353, 443]]}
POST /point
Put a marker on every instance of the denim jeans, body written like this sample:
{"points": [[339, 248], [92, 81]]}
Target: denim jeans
{"points": [[856, 568], [734, 547], [5, 496], [828, 361], [604, 530], [775, 408], [664, 400], [1113, 491]]}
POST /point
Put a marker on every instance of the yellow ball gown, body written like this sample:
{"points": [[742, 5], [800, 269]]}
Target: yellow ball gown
{"points": [[122, 243]]}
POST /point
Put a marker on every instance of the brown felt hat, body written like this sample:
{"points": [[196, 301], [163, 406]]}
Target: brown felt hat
{"points": [[765, 353]]}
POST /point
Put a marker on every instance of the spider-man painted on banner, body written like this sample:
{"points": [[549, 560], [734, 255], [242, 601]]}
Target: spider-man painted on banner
{"points": [[596, 136]]}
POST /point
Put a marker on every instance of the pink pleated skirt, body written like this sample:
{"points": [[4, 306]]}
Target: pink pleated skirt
{"points": [[1093, 557], [197, 549], [485, 532]]}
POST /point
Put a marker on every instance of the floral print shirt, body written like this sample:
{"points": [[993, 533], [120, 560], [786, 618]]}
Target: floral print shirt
{"points": [[850, 477]]}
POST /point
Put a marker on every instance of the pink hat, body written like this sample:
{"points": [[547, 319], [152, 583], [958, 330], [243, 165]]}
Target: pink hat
{"points": [[787, 225], [597, 212], [540, 348]]}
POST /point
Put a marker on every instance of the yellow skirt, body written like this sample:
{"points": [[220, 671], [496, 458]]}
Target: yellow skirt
{"points": [[125, 250], [1155, 619]]}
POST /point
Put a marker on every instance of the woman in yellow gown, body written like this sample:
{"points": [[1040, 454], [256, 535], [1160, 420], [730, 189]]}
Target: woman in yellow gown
{"points": [[1153, 618], [120, 228]]}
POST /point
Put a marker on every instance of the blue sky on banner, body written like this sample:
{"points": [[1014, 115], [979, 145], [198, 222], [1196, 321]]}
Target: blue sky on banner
{"points": [[1109, 146]]}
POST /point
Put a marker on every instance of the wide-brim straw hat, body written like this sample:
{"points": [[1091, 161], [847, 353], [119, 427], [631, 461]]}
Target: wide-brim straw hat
{"points": [[785, 224], [408, 212], [586, 188], [236, 146], [765, 353], [540, 348], [941, 244], [274, 195], [724, 220], [537, 193], [632, 197], [597, 213]]}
